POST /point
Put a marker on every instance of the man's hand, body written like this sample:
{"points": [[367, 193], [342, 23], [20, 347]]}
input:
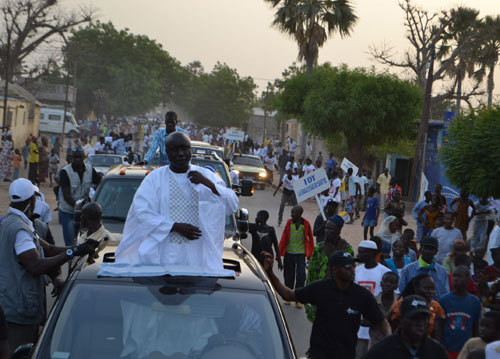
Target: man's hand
{"points": [[187, 230], [267, 262], [86, 248], [197, 178], [58, 284], [280, 265]]}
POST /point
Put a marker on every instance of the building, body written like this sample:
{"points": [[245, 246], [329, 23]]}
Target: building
{"points": [[260, 119], [54, 94], [23, 113]]}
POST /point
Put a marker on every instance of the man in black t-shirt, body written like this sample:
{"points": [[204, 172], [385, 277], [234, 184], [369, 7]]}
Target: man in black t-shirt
{"points": [[264, 238], [4, 343], [411, 341], [339, 306]]}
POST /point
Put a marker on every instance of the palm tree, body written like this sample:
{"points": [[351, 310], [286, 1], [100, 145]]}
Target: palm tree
{"points": [[311, 22], [489, 35], [462, 33]]}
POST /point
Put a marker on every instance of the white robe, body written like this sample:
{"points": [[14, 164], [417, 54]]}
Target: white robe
{"points": [[147, 238]]}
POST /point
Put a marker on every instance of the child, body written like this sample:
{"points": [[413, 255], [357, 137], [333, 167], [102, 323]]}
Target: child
{"points": [[16, 163], [53, 164], [489, 331], [387, 297], [297, 244], [372, 212], [264, 238], [349, 208], [408, 238]]}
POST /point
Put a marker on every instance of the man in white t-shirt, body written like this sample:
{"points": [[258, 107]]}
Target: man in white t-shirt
{"points": [[292, 146], [270, 164], [292, 165], [288, 196], [446, 236], [335, 186], [309, 149], [308, 167], [368, 275], [363, 183]]}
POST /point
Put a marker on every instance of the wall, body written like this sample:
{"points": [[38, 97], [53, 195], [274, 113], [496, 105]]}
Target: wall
{"points": [[21, 125]]}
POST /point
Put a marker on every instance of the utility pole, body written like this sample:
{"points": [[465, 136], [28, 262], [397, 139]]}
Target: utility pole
{"points": [[265, 114], [6, 86], [418, 161]]}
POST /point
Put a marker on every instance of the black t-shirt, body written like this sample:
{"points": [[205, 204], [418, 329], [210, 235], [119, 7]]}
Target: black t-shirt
{"points": [[392, 347], [3, 326], [319, 229], [64, 179], [263, 239], [338, 316]]}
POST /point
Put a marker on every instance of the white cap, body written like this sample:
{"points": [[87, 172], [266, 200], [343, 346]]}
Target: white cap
{"points": [[368, 244], [37, 190], [20, 190]]}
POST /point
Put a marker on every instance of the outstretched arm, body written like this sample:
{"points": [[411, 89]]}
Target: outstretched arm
{"points": [[285, 292]]}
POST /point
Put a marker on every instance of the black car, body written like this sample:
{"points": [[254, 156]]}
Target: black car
{"points": [[167, 317]]}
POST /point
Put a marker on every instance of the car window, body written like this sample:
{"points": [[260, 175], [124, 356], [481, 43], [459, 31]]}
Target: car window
{"points": [[105, 161], [247, 161], [153, 320]]}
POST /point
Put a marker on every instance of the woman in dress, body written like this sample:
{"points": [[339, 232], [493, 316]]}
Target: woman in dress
{"points": [[389, 233], [6, 158], [43, 166]]}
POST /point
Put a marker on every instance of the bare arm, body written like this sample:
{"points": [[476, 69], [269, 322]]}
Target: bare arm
{"points": [[285, 292], [37, 266], [50, 250]]}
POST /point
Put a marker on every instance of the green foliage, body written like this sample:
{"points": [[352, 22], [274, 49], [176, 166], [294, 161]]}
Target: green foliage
{"points": [[220, 98], [121, 73], [368, 108], [471, 155]]}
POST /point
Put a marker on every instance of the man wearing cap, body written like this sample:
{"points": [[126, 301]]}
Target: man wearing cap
{"points": [[368, 275], [25, 259], [158, 143], [339, 304], [75, 180], [426, 264], [411, 340]]}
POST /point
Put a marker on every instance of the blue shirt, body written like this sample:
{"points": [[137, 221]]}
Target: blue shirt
{"points": [[330, 163], [436, 271], [389, 263], [158, 145], [371, 208], [416, 210], [461, 314]]}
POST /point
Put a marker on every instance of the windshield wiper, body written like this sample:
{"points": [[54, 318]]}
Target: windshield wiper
{"points": [[115, 218]]}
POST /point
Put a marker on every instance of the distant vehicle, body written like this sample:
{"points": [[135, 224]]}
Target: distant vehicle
{"points": [[51, 121], [250, 167], [103, 162], [205, 148]]}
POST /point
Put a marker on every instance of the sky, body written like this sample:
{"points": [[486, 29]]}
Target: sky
{"points": [[239, 32]]}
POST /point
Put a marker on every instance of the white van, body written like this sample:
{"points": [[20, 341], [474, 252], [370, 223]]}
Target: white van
{"points": [[51, 121]]}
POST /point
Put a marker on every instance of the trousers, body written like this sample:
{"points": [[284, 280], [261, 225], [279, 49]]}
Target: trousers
{"points": [[294, 270], [289, 199], [66, 220]]}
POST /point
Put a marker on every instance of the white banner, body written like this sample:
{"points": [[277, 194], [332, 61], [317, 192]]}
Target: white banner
{"points": [[424, 185], [346, 164], [311, 184], [235, 135]]}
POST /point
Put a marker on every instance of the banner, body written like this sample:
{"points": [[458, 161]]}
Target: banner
{"points": [[346, 164], [311, 184]]}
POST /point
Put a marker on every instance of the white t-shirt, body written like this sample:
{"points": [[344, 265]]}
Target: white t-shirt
{"points": [[270, 162], [288, 183], [369, 279], [352, 185], [308, 169], [289, 166], [445, 238], [362, 181], [336, 183], [309, 150], [494, 242], [235, 178], [263, 152], [293, 144], [24, 241]]}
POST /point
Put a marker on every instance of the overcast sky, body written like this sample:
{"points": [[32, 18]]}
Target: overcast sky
{"points": [[239, 32]]}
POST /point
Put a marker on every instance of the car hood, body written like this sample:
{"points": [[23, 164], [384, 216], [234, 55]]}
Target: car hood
{"points": [[245, 168]]}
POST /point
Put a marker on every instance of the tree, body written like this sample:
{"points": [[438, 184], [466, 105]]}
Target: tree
{"points": [[489, 34], [119, 73], [472, 152], [311, 22], [366, 107], [221, 98]]}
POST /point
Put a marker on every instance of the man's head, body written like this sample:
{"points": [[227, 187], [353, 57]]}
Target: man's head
{"points": [[448, 219], [429, 248], [296, 213], [349, 171], [309, 161], [77, 156], [91, 216], [22, 196], [438, 188], [369, 174], [170, 121], [367, 252], [428, 196], [178, 148], [389, 282], [386, 171], [341, 265], [495, 255], [330, 208], [102, 140], [333, 226], [398, 249], [489, 327], [396, 195], [262, 217], [460, 278], [371, 191], [330, 155], [130, 157], [335, 173], [415, 314]]}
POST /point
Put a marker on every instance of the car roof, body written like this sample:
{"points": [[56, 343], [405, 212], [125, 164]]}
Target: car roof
{"points": [[204, 144], [245, 155], [129, 171], [250, 275]]}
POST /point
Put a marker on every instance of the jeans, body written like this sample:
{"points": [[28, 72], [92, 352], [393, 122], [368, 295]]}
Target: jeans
{"points": [[290, 199], [294, 270], [16, 173], [66, 220]]}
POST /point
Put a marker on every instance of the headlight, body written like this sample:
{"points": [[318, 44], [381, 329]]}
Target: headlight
{"points": [[263, 174]]}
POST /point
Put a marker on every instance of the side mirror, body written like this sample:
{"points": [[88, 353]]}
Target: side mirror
{"points": [[243, 214], [247, 188], [242, 223], [23, 351]]}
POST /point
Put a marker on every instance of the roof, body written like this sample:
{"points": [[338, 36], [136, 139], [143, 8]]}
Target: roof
{"points": [[17, 92], [129, 171], [250, 275]]}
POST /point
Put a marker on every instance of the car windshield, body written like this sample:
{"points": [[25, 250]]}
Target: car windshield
{"points": [[207, 150], [153, 320], [218, 166], [105, 161], [115, 196], [247, 161]]}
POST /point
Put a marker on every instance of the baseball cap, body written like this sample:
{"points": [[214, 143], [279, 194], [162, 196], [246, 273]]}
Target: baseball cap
{"points": [[368, 244], [20, 190], [429, 241], [414, 304], [340, 258]]}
